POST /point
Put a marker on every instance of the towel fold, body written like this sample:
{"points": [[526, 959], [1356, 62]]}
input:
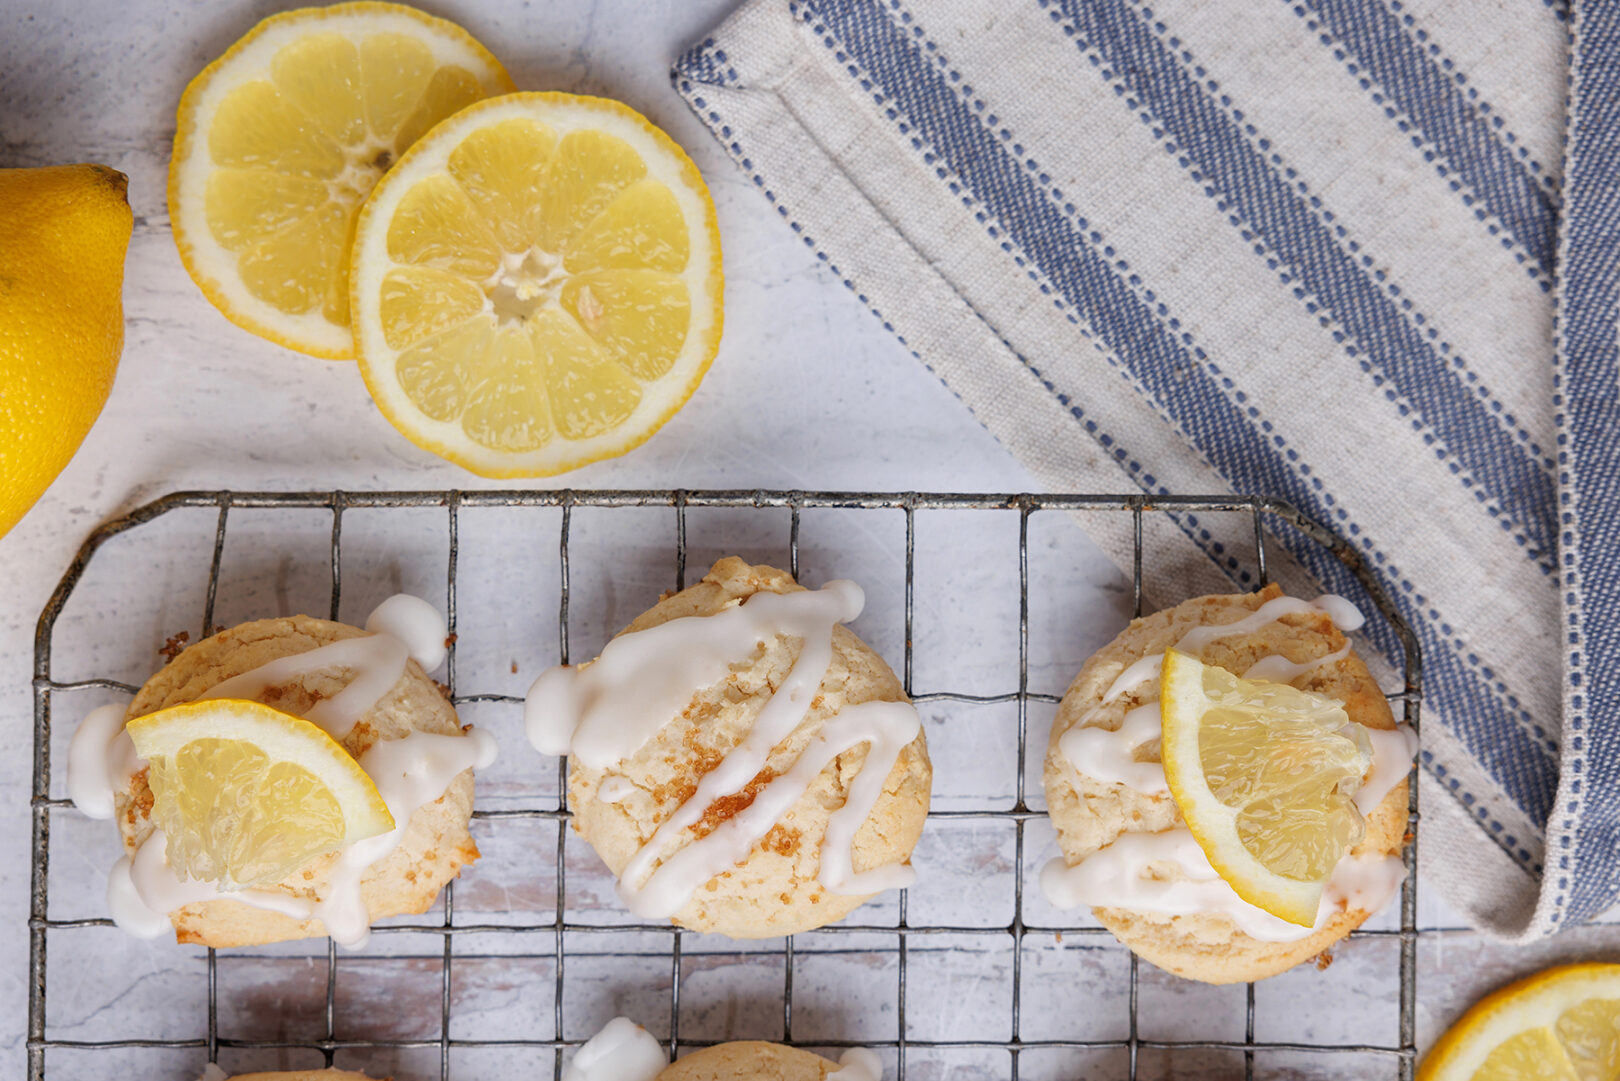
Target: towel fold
{"points": [[1302, 248]]}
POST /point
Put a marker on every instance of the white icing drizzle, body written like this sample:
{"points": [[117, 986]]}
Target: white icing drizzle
{"points": [[1393, 750], [887, 726], [622, 1051], [858, 1064], [1110, 756], [101, 759], [415, 622], [409, 773], [1279, 669], [143, 890], [1341, 612], [377, 660], [604, 712], [1135, 674], [1122, 875], [601, 717], [615, 789], [402, 626]]}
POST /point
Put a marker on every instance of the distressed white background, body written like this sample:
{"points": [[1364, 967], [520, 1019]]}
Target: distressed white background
{"points": [[808, 392]]}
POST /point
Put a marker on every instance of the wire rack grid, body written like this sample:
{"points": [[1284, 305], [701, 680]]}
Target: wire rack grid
{"points": [[1400, 1055]]}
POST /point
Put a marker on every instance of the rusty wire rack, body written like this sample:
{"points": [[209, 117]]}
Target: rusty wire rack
{"points": [[1300, 531]]}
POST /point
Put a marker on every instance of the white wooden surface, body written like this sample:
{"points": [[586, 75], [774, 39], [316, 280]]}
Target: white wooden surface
{"points": [[809, 391]]}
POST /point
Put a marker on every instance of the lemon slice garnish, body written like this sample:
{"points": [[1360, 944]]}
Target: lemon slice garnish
{"points": [[280, 140], [1264, 775], [1562, 1024], [536, 285], [245, 794]]}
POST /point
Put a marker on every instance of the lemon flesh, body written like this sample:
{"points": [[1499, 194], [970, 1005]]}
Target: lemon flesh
{"points": [[1562, 1024], [537, 285], [1264, 775], [246, 794], [64, 231], [280, 140]]}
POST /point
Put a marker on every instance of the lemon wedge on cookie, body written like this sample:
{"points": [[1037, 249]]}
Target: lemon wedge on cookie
{"points": [[1562, 1024], [1264, 775], [279, 141], [245, 794], [536, 284]]}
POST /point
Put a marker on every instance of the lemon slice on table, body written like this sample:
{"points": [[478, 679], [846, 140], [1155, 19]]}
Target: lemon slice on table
{"points": [[1559, 1025], [245, 794], [279, 141], [537, 285], [1264, 775]]}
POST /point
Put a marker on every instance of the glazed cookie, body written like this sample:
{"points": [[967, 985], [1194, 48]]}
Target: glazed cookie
{"points": [[744, 764], [370, 691], [624, 1051], [753, 1060], [1126, 849]]}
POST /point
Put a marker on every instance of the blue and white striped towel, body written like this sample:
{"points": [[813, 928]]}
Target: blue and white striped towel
{"points": [[1304, 248]]}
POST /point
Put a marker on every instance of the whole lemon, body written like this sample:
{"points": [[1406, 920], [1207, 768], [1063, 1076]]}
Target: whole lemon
{"points": [[64, 230]]}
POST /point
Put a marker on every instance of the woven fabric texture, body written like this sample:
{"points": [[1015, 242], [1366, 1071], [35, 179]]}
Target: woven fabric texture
{"points": [[1328, 250]]}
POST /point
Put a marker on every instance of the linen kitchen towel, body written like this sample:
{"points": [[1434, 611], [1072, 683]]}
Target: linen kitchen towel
{"points": [[1302, 248]]}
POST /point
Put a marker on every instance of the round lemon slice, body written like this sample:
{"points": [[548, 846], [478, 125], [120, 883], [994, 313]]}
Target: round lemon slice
{"points": [[279, 141], [1562, 1024], [1264, 775], [536, 285], [245, 794]]}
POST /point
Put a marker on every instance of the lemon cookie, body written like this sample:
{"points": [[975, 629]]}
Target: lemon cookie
{"points": [[624, 1051], [752, 1060], [367, 692], [1127, 849], [744, 764]]}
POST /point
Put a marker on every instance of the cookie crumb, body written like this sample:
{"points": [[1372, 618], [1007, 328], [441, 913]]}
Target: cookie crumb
{"points": [[177, 642], [1323, 960], [514, 666], [450, 640], [783, 840]]}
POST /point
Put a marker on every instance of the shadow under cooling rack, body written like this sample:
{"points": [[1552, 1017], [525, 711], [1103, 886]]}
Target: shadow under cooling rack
{"points": [[542, 956]]}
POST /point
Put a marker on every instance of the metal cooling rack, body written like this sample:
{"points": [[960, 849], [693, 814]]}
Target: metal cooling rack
{"points": [[1401, 1056]]}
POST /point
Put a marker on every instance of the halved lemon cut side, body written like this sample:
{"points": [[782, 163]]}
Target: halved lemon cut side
{"points": [[537, 285], [1562, 1024], [280, 140], [1264, 775], [245, 794]]}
